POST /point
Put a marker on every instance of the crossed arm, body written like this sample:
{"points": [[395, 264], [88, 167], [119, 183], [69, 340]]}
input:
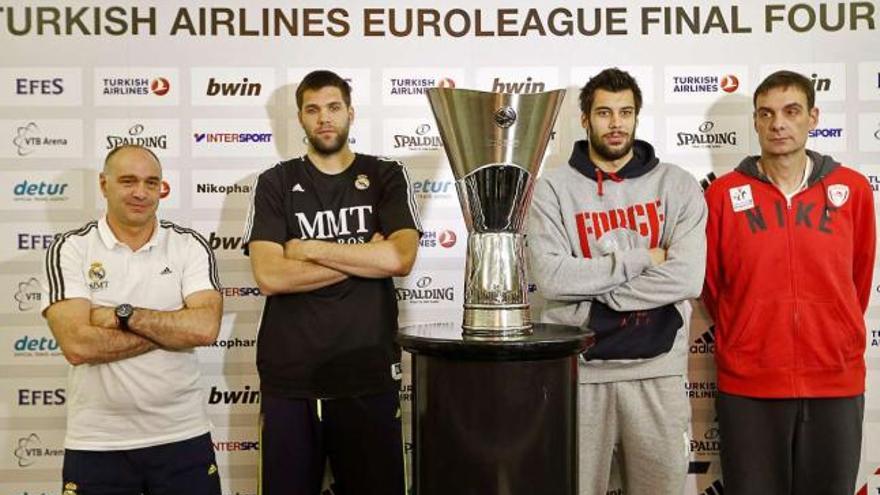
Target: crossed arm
{"points": [[302, 266], [89, 335]]}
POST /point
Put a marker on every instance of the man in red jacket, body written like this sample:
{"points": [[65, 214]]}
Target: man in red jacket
{"points": [[788, 275]]}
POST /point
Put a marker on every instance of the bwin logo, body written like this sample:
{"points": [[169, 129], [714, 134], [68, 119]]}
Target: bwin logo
{"points": [[528, 86], [246, 396], [243, 88], [705, 343]]}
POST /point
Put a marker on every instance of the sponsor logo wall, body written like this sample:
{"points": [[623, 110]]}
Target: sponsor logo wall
{"points": [[219, 110]]}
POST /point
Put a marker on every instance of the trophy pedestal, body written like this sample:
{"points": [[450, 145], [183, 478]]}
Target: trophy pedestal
{"points": [[494, 417]]}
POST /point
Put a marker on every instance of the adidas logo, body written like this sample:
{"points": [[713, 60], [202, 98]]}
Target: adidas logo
{"points": [[704, 344], [716, 488], [710, 178], [297, 188], [166, 271], [698, 467]]}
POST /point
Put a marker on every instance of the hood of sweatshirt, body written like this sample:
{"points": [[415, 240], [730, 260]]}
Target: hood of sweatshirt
{"points": [[822, 166], [643, 161]]}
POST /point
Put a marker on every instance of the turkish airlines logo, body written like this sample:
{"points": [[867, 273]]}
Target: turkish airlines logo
{"points": [[729, 83], [160, 86]]}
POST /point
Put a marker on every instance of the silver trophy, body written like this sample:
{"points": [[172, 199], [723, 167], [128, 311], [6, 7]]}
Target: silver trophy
{"points": [[495, 143]]}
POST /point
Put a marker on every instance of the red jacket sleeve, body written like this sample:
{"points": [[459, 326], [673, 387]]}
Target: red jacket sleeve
{"points": [[715, 202], [864, 242]]}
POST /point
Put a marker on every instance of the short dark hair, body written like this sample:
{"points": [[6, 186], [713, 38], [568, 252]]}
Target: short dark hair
{"points": [[117, 149], [321, 79], [614, 80], [786, 79]]}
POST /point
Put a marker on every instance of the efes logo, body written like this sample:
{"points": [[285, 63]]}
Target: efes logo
{"points": [[136, 136], [705, 343], [26, 86], [28, 295], [97, 273]]}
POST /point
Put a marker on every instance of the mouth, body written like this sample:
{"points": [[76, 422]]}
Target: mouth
{"points": [[139, 208], [616, 138]]}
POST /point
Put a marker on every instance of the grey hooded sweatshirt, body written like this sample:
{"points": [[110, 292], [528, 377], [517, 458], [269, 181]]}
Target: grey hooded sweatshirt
{"points": [[589, 234]]}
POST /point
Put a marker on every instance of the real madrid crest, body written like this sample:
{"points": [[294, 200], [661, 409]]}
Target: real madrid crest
{"points": [[838, 194], [97, 274], [362, 182]]}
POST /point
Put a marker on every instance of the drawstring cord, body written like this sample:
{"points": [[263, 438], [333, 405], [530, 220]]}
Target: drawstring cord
{"points": [[600, 175]]}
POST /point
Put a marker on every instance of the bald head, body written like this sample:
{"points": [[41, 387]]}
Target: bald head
{"points": [[126, 152]]}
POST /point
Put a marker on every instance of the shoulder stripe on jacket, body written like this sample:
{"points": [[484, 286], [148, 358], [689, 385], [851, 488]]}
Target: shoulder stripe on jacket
{"points": [[411, 199], [54, 274], [212, 263]]}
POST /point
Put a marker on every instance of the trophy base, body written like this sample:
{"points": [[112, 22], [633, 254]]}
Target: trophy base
{"points": [[496, 323]]}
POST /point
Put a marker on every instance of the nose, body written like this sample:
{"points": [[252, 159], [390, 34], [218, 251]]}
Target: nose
{"points": [[777, 123], [140, 190], [615, 120]]}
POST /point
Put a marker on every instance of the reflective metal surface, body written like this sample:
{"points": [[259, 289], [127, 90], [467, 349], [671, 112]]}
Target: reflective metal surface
{"points": [[495, 143]]}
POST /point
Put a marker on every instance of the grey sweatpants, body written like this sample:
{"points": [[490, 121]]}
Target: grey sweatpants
{"points": [[647, 421]]}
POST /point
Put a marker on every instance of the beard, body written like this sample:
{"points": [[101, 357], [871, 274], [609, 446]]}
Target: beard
{"points": [[330, 148], [600, 148]]}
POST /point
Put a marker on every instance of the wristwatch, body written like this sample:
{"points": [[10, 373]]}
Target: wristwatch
{"points": [[123, 313]]}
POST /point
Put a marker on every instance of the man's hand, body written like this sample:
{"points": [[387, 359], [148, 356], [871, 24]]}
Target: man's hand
{"points": [[658, 256], [103, 316]]}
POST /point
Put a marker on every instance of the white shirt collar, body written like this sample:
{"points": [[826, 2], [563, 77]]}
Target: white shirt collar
{"points": [[110, 241]]}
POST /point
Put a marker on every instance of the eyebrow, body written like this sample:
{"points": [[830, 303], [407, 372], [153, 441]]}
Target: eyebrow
{"points": [[786, 107], [132, 176], [628, 107]]}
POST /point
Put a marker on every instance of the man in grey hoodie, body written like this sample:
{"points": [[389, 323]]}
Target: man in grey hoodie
{"points": [[617, 245]]}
